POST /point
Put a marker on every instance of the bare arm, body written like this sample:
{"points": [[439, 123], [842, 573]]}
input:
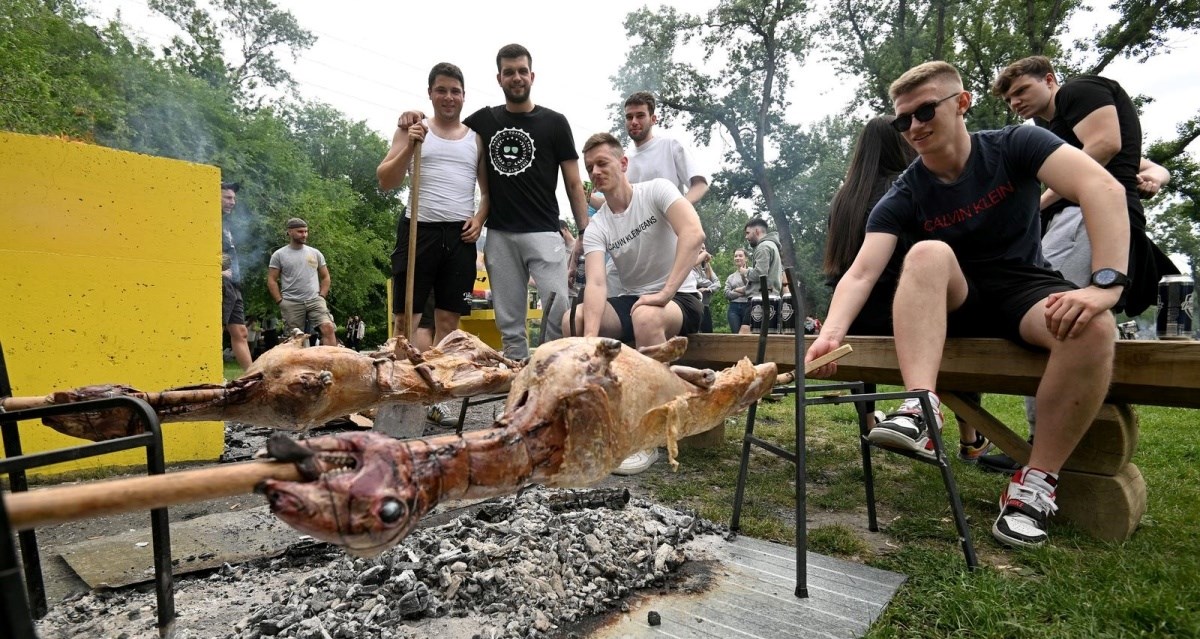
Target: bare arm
{"points": [[595, 293], [323, 275], [1150, 178], [686, 224], [1100, 133], [696, 189], [1102, 199], [273, 284], [574, 185], [395, 164], [473, 227], [850, 296]]}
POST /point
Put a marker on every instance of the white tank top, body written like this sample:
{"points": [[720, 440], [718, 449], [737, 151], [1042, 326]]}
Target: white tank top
{"points": [[447, 178]]}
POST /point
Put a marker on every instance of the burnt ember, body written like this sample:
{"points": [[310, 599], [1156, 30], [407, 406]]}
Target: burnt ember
{"points": [[534, 565]]}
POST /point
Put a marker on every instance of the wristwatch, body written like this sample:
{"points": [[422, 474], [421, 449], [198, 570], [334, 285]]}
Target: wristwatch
{"points": [[1108, 278]]}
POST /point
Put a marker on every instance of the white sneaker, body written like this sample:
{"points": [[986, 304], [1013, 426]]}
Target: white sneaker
{"points": [[637, 462]]}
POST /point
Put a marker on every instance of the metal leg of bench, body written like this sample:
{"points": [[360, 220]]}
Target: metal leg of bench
{"points": [[743, 470], [160, 532], [960, 519], [462, 415], [865, 447], [748, 438], [16, 618]]}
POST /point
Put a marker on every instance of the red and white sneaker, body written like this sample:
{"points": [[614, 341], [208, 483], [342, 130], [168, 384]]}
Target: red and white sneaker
{"points": [[1025, 505], [905, 429]]}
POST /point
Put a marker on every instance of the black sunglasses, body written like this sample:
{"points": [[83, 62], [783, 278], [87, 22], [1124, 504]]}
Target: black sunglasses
{"points": [[924, 113]]}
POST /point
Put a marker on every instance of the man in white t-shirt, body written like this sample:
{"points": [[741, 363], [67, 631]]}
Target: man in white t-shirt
{"points": [[657, 157], [652, 234]]}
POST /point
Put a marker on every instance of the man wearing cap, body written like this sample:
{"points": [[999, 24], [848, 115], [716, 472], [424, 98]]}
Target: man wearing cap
{"points": [[233, 312], [305, 283]]}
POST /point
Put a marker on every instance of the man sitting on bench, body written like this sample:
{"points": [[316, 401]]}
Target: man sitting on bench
{"points": [[972, 200]]}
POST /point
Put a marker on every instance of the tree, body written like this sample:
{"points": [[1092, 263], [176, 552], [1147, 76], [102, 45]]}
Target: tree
{"points": [[259, 28], [757, 44]]}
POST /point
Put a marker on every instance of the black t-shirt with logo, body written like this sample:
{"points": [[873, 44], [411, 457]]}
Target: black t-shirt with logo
{"points": [[1077, 99], [989, 215], [524, 153]]}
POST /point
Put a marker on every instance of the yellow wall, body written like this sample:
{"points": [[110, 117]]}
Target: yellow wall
{"points": [[109, 273]]}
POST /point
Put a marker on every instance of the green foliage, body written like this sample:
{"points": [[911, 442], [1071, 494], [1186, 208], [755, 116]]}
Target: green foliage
{"points": [[757, 43], [62, 76], [256, 29]]}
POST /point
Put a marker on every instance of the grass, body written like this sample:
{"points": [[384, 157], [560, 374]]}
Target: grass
{"points": [[1075, 586], [232, 370]]}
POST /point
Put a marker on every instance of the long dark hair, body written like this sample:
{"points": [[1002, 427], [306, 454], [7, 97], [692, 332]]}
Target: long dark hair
{"points": [[880, 154]]}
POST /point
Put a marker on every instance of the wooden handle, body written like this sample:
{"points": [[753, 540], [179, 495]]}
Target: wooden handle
{"points": [[59, 504], [415, 188], [831, 356], [835, 354]]}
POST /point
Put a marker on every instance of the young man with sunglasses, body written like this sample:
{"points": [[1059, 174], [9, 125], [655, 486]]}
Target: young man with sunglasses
{"points": [[971, 200]]}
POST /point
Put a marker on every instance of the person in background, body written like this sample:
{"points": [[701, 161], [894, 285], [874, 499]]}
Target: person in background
{"points": [[707, 283], [564, 230], [305, 283], [351, 331], [233, 309], [360, 332], [735, 292], [1094, 114], [766, 261]]}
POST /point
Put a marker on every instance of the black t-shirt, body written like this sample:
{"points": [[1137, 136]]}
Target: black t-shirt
{"points": [[524, 153], [989, 215], [1077, 99]]}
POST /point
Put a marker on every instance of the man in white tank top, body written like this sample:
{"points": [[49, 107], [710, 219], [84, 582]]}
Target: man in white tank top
{"points": [[448, 220]]}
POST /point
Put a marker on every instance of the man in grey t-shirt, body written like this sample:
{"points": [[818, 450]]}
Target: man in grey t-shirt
{"points": [[305, 283]]}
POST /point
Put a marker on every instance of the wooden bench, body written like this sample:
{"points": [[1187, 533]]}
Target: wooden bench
{"points": [[1099, 489]]}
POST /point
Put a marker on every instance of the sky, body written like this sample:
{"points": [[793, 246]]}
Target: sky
{"points": [[372, 58]]}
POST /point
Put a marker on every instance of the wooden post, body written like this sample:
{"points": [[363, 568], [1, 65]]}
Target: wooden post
{"points": [[415, 193]]}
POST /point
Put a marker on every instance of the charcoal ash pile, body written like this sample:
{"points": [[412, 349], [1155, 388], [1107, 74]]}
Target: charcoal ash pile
{"points": [[533, 565]]}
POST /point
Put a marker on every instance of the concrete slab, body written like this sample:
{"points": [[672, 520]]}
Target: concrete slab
{"points": [[752, 596], [196, 544]]}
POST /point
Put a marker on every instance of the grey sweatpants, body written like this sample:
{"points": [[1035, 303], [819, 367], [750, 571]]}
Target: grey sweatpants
{"points": [[511, 259]]}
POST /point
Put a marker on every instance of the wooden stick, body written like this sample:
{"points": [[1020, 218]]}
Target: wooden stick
{"points": [[59, 504], [415, 187], [831, 356]]}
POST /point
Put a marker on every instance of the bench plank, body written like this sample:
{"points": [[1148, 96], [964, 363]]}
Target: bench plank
{"points": [[1157, 373]]}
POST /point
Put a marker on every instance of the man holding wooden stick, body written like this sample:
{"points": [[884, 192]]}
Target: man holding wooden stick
{"points": [[528, 146], [448, 222]]}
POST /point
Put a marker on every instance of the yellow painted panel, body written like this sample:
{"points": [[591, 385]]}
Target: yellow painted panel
{"points": [[110, 266]]}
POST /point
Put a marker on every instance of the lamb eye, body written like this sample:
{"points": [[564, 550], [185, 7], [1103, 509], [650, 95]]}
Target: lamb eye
{"points": [[391, 511]]}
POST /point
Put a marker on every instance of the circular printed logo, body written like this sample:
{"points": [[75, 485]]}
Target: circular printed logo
{"points": [[511, 150]]}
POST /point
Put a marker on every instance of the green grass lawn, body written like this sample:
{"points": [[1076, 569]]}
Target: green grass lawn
{"points": [[1075, 586]]}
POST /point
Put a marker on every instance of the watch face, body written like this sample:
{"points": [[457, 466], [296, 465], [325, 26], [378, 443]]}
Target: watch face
{"points": [[1105, 277]]}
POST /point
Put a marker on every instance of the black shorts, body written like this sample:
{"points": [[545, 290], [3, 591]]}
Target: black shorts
{"points": [[999, 296], [232, 308], [445, 266], [689, 303], [427, 315]]}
